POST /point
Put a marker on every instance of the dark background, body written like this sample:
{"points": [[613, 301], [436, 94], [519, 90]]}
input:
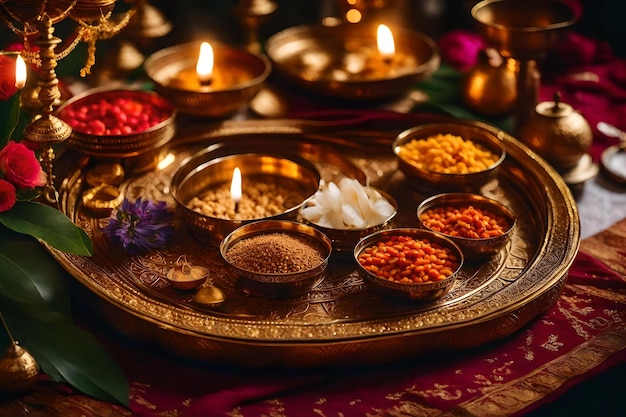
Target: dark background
{"points": [[216, 19]]}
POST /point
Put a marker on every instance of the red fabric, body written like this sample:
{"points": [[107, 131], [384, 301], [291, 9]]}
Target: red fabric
{"points": [[592, 80], [164, 385], [584, 70]]}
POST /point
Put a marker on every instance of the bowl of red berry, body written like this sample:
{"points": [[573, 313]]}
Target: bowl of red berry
{"points": [[118, 123]]}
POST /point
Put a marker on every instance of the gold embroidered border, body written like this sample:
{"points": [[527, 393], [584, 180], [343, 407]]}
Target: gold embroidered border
{"points": [[521, 393]]}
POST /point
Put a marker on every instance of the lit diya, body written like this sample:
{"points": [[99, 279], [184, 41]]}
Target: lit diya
{"points": [[354, 61], [215, 195], [207, 79]]}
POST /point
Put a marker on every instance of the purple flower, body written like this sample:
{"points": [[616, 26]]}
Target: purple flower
{"points": [[141, 226]]}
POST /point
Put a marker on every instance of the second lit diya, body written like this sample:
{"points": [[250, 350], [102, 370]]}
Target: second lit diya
{"points": [[207, 79], [216, 195], [354, 61]]}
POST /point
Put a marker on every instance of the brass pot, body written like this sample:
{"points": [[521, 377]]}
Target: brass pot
{"points": [[489, 87], [558, 133]]}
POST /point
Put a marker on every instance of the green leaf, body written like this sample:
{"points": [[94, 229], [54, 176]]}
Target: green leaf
{"points": [[10, 115], [37, 289], [68, 354], [82, 362], [48, 224], [35, 302]]}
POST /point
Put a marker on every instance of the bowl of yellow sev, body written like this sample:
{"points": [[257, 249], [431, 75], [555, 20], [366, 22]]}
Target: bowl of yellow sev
{"points": [[449, 156]]}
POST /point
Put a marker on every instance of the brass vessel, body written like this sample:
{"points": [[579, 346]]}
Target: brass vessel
{"points": [[339, 62], [18, 369], [524, 31], [489, 87], [558, 133]]}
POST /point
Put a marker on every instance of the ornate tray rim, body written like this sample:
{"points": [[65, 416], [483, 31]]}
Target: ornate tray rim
{"points": [[499, 320]]}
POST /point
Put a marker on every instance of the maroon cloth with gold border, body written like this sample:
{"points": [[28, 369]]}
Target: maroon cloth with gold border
{"points": [[583, 334]]}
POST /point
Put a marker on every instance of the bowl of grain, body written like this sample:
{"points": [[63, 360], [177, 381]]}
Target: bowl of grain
{"points": [[271, 187], [276, 258], [450, 156], [409, 263], [480, 226], [347, 211]]}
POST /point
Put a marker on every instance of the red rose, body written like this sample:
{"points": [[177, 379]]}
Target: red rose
{"points": [[7, 195], [21, 167], [7, 77]]}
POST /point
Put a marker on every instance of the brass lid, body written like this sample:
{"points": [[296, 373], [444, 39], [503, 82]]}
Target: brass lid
{"points": [[555, 109]]}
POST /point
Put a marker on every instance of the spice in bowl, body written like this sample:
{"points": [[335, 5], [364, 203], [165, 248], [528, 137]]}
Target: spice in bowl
{"points": [[467, 221], [274, 253], [447, 154], [479, 225], [409, 260], [217, 193], [262, 196], [409, 263], [276, 258]]}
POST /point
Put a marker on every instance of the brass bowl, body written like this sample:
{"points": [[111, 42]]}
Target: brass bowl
{"points": [[202, 172], [440, 181], [424, 291], [523, 30], [276, 285], [473, 248], [344, 240], [242, 74], [187, 277], [314, 57], [129, 145]]}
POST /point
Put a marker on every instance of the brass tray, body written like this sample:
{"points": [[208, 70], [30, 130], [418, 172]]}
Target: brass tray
{"points": [[342, 321]]}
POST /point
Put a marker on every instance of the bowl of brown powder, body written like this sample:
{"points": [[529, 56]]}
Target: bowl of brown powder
{"points": [[276, 258]]}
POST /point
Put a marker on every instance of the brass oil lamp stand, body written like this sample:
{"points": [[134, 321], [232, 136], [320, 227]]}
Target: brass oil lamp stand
{"points": [[45, 129], [36, 21]]}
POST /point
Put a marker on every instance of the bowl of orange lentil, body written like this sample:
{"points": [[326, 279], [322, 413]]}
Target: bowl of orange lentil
{"points": [[409, 263], [480, 226], [449, 156]]}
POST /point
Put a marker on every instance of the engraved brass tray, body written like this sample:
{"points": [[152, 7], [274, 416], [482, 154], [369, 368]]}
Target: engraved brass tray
{"points": [[342, 321]]}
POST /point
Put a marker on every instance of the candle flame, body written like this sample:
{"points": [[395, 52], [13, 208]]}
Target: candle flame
{"points": [[386, 45], [204, 67], [235, 186], [20, 72]]}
